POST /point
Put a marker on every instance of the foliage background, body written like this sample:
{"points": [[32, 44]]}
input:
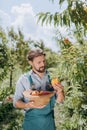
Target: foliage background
{"points": [[69, 65]]}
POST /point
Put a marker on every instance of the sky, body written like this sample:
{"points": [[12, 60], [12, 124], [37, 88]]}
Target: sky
{"points": [[22, 13]]}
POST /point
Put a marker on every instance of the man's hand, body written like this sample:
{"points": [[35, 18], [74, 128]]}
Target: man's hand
{"points": [[58, 87], [32, 104], [59, 91]]}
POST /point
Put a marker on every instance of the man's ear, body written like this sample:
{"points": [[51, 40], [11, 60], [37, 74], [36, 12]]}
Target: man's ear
{"points": [[30, 62]]}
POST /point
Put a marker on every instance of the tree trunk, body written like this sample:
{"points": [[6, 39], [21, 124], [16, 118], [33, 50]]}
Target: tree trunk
{"points": [[11, 74]]}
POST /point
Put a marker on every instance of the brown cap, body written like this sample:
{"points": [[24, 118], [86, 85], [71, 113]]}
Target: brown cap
{"points": [[35, 53]]}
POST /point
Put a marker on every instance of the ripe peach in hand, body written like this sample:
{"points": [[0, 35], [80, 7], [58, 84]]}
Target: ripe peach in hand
{"points": [[54, 81]]}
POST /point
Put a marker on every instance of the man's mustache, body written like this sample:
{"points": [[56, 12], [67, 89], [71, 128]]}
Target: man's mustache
{"points": [[42, 67]]}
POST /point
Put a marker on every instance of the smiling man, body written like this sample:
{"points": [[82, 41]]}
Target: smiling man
{"points": [[37, 117]]}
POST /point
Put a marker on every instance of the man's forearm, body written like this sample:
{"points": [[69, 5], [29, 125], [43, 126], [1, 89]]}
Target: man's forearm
{"points": [[60, 97], [22, 105], [31, 104]]}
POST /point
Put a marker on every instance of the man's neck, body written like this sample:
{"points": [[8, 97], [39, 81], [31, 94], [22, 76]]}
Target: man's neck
{"points": [[38, 73]]}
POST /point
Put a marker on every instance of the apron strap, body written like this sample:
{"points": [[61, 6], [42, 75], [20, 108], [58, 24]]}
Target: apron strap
{"points": [[32, 85], [49, 87], [49, 78]]}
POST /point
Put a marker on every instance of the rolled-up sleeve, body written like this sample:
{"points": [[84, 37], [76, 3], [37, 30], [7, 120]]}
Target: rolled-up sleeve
{"points": [[18, 92], [21, 85]]}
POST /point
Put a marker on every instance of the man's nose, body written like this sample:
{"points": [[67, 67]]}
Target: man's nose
{"points": [[42, 64]]}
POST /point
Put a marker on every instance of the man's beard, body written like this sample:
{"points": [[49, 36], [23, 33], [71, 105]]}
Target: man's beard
{"points": [[40, 70]]}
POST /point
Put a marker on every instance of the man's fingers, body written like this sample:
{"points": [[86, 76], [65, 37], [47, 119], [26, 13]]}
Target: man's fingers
{"points": [[33, 105], [42, 106]]}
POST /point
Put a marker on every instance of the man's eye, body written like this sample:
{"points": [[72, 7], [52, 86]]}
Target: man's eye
{"points": [[39, 62]]}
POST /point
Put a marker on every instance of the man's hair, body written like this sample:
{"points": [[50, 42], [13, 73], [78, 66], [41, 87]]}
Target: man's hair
{"points": [[34, 53]]}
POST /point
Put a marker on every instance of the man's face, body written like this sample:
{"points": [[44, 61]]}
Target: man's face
{"points": [[38, 64]]}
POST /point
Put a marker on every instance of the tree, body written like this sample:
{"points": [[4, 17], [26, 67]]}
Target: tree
{"points": [[71, 66], [72, 70], [75, 13], [17, 51], [4, 57]]}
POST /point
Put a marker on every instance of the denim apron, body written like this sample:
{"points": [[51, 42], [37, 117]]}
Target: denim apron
{"points": [[40, 119]]}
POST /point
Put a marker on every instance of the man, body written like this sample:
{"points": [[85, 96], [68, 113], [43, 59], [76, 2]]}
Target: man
{"points": [[37, 117]]}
